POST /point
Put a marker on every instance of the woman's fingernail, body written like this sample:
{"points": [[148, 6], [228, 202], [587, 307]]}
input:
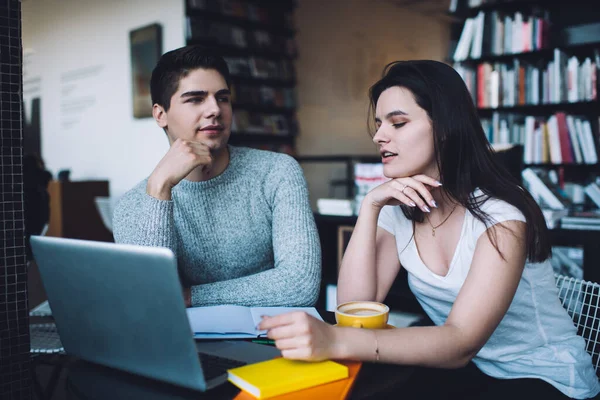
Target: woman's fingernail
{"points": [[412, 204], [438, 183], [433, 203], [426, 209]]}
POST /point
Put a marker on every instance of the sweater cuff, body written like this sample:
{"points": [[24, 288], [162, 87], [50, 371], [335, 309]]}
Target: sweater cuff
{"points": [[157, 222]]}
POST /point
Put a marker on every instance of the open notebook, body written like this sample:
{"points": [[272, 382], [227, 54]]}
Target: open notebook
{"points": [[235, 322]]}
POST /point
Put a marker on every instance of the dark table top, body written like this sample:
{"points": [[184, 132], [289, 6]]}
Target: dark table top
{"points": [[85, 380]]}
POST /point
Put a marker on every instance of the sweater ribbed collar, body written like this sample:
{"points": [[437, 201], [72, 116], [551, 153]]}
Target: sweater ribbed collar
{"points": [[224, 177]]}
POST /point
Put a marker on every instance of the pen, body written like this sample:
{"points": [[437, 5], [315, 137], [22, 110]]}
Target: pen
{"points": [[263, 341]]}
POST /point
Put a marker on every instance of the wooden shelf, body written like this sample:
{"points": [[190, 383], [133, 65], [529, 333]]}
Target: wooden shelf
{"points": [[582, 108], [233, 51], [570, 165], [264, 109], [513, 6], [536, 55], [245, 23], [503, 6]]}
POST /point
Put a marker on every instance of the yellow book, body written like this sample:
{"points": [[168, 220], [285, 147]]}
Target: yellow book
{"points": [[278, 376]]}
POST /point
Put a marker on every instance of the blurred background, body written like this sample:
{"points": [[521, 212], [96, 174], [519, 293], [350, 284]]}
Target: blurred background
{"points": [[301, 70]]}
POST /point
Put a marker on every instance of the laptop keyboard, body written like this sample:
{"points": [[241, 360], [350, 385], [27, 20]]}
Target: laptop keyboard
{"points": [[214, 366]]}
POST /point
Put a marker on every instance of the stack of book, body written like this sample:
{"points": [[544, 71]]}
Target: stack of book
{"points": [[545, 190], [582, 220]]}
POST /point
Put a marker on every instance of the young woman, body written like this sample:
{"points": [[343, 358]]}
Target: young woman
{"points": [[475, 246]]}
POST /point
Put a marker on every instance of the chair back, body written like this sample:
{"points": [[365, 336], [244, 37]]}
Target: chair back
{"points": [[581, 299]]}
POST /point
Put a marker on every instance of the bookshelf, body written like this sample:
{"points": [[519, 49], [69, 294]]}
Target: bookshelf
{"points": [[533, 70], [257, 39], [532, 67]]}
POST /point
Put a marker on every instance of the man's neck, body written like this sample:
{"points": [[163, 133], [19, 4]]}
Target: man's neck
{"points": [[219, 165]]}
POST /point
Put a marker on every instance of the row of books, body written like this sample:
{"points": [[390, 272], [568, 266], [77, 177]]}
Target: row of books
{"points": [[517, 83], [581, 220], [546, 188], [562, 139], [241, 9], [559, 139], [228, 34], [494, 34], [261, 123], [585, 220], [258, 67], [264, 95]]}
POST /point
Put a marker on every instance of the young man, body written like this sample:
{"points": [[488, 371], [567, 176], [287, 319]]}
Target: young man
{"points": [[238, 219]]}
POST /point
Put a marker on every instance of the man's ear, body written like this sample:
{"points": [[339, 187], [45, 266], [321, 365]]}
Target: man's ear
{"points": [[160, 115]]}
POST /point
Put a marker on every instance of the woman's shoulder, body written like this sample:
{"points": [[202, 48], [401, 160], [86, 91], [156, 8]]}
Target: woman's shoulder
{"points": [[497, 209]]}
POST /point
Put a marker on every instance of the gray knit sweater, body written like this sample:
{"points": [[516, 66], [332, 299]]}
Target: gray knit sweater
{"points": [[245, 237]]}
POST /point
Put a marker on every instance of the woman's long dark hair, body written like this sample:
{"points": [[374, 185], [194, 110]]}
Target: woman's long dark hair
{"points": [[463, 154]]}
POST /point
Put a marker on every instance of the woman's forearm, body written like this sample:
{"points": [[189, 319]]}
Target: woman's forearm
{"points": [[433, 346], [358, 273]]}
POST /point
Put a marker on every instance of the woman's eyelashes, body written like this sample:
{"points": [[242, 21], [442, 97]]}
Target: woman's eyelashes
{"points": [[399, 125]]}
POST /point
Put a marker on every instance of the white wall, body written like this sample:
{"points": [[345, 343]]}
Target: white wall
{"points": [[99, 139]]}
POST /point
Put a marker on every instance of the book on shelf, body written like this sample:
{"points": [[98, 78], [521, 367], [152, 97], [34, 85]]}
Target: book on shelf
{"points": [[238, 9], [553, 217], [580, 227], [546, 192], [243, 121], [260, 68], [582, 218], [558, 139], [264, 96], [342, 207], [593, 192]]}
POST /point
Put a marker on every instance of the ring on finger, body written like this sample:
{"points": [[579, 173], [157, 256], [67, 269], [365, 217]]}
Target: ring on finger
{"points": [[403, 189]]}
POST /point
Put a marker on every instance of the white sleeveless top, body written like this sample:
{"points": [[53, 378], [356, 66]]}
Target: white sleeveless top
{"points": [[535, 339]]}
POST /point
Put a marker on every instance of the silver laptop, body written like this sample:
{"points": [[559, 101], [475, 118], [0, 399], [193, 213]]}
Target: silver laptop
{"points": [[122, 306]]}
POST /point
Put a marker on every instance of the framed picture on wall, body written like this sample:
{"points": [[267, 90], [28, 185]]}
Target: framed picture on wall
{"points": [[145, 45]]}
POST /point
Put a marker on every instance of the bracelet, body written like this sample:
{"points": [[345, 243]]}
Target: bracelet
{"points": [[376, 346]]}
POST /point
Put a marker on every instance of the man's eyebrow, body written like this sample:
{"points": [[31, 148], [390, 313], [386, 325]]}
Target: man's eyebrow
{"points": [[194, 93]]}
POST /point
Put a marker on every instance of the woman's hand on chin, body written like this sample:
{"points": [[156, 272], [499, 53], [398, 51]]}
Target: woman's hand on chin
{"points": [[413, 191]]}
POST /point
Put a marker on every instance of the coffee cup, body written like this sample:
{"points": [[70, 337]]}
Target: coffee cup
{"points": [[362, 314]]}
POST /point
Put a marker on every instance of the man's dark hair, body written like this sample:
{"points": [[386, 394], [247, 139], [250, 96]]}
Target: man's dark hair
{"points": [[176, 65]]}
